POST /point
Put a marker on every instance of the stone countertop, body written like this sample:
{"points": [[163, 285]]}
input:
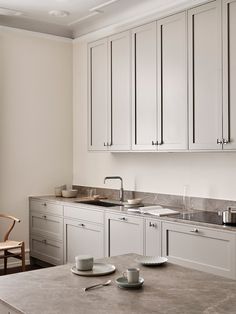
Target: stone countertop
{"points": [[167, 289], [122, 209]]}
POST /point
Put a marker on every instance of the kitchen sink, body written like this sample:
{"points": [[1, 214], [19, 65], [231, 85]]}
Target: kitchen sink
{"points": [[98, 203]]}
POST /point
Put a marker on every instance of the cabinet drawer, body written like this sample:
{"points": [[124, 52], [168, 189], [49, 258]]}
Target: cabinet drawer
{"points": [[46, 207], [46, 225], [84, 214], [46, 250], [204, 249]]}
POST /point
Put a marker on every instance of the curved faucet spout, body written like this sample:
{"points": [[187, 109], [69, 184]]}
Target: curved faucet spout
{"points": [[121, 185]]}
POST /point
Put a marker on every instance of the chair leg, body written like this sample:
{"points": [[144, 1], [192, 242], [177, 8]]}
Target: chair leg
{"points": [[23, 255], [5, 263]]}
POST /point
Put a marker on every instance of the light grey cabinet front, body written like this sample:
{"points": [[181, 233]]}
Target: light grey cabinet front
{"points": [[119, 109], [229, 74], [205, 90], [144, 95], [172, 83], [82, 237], [200, 248], [98, 95]]}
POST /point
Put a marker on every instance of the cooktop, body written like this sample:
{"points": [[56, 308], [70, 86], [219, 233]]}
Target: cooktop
{"points": [[202, 216]]}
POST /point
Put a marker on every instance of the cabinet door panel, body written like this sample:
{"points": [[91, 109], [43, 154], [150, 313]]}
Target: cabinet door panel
{"points": [[98, 88], [153, 238], [172, 83], [144, 112], [229, 81], [82, 238], [205, 77], [125, 235], [120, 91]]}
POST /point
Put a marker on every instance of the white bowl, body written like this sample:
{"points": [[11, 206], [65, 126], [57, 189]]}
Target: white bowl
{"points": [[135, 201], [69, 193]]}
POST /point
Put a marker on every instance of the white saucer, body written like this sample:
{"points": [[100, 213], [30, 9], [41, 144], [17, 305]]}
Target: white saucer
{"points": [[99, 269], [151, 260], [122, 282]]}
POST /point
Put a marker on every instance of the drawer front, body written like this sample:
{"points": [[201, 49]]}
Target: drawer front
{"points": [[46, 250], [203, 249], [84, 214], [47, 225], [46, 207]]}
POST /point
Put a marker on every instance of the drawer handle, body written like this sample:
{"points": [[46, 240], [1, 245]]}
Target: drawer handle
{"points": [[81, 225], [44, 217], [44, 241], [195, 230], [152, 224], [123, 218], [44, 204]]}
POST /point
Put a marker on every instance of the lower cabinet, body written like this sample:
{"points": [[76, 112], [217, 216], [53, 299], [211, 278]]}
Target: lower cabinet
{"points": [[152, 237], [200, 248], [124, 234], [46, 250], [82, 237]]}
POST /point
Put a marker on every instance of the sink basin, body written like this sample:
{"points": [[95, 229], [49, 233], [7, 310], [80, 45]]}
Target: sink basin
{"points": [[98, 203]]}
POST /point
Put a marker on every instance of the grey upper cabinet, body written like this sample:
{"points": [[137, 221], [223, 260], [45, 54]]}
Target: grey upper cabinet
{"points": [[98, 95], [205, 91], [229, 74], [172, 83], [144, 94], [119, 109]]}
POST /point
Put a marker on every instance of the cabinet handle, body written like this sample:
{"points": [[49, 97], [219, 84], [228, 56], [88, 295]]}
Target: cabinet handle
{"points": [[225, 141], [81, 225], [195, 230], [44, 216], [218, 141], [105, 144], [123, 218], [44, 204], [152, 224], [155, 143]]}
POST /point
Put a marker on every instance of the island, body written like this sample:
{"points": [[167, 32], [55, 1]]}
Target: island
{"points": [[167, 289]]}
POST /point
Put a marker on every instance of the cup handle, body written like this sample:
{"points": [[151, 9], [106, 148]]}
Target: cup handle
{"points": [[124, 274]]}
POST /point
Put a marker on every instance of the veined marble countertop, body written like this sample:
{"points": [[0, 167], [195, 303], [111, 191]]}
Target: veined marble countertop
{"points": [[122, 209], [168, 289]]}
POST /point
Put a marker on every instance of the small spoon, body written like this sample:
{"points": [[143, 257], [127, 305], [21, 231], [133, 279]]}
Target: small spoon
{"points": [[98, 285]]}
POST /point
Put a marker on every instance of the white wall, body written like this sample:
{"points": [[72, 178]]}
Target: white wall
{"points": [[206, 174], [35, 120]]}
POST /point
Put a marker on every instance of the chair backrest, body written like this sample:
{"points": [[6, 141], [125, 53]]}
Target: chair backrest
{"points": [[11, 226]]}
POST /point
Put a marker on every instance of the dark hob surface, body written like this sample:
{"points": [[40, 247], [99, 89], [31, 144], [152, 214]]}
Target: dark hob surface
{"points": [[202, 216]]}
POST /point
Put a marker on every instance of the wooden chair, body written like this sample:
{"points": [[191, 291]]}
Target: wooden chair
{"points": [[8, 245]]}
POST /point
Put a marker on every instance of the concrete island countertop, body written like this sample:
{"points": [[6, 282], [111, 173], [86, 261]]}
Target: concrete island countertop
{"points": [[121, 209], [167, 289]]}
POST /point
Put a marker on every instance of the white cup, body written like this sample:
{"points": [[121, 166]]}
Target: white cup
{"points": [[132, 275], [84, 262]]}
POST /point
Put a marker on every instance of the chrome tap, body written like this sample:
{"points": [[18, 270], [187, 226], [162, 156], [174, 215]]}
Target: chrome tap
{"points": [[121, 185]]}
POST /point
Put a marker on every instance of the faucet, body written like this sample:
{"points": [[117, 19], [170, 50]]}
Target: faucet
{"points": [[121, 185]]}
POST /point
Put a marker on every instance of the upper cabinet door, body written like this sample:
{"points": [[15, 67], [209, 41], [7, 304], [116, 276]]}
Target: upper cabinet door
{"points": [[98, 97], [229, 74], [144, 77], [205, 105], [120, 91], [172, 83]]}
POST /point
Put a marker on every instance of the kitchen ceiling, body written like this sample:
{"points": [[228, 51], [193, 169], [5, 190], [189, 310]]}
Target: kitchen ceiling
{"points": [[80, 16]]}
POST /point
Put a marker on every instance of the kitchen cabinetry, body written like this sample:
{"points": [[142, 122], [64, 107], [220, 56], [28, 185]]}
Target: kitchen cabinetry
{"points": [[172, 83], [144, 78], [200, 248], [46, 231], [152, 237], [83, 233], [124, 234], [229, 74], [205, 92], [109, 93]]}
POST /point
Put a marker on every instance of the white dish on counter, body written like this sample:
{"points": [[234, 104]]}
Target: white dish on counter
{"points": [[99, 269], [151, 260]]}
